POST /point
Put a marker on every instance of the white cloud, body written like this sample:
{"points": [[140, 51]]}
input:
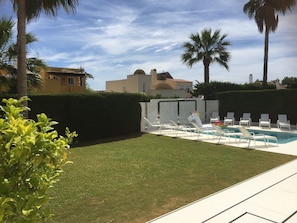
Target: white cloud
{"points": [[112, 38]]}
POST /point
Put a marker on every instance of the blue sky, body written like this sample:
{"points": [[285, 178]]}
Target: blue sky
{"points": [[111, 39]]}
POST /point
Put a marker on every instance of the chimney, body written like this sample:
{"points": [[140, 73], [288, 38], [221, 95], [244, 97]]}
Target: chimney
{"points": [[153, 77]]}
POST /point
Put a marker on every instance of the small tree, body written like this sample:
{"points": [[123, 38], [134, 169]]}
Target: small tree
{"points": [[31, 160]]}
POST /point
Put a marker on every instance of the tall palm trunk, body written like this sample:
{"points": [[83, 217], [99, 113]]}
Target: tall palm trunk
{"points": [[206, 63], [21, 46], [265, 67]]}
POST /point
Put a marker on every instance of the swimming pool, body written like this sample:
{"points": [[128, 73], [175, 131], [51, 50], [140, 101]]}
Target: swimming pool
{"points": [[282, 137]]}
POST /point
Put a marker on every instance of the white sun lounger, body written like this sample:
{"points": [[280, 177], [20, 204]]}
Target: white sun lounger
{"points": [[246, 135], [225, 133], [209, 130]]}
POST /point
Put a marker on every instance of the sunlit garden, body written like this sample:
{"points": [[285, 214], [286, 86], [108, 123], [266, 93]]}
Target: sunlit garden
{"points": [[139, 178], [52, 169]]}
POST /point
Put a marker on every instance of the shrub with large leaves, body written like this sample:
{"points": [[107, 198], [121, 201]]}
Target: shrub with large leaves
{"points": [[31, 160]]}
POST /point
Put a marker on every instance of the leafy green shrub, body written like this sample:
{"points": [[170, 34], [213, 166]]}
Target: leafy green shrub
{"points": [[31, 160]]}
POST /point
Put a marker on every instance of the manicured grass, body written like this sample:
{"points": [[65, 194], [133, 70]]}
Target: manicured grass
{"points": [[137, 179]]}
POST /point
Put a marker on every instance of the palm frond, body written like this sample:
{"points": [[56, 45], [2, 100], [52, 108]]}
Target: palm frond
{"points": [[208, 47], [6, 32], [49, 7], [8, 54]]}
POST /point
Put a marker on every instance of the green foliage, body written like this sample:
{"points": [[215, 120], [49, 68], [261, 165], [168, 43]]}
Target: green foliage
{"points": [[139, 178], [32, 156], [94, 116], [209, 47], [291, 82], [210, 90], [8, 52], [273, 102]]}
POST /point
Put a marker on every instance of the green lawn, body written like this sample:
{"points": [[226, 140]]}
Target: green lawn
{"points": [[139, 178]]}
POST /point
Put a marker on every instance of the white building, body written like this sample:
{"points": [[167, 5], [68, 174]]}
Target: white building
{"points": [[151, 84]]}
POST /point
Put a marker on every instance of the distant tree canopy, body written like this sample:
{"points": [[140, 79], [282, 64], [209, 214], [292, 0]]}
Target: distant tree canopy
{"points": [[209, 90], [291, 82]]}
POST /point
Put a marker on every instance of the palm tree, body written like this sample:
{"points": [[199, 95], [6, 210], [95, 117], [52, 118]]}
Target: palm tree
{"points": [[6, 31], [8, 54], [6, 34], [26, 11], [207, 47], [265, 14]]}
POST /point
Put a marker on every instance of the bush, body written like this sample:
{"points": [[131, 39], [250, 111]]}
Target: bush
{"points": [[31, 160], [93, 116]]}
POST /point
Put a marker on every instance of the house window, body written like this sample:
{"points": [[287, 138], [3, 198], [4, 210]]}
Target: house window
{"points": [[70, 81], [80, 81]]}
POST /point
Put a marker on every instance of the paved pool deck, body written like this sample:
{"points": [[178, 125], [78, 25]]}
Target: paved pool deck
{"points": [[267, 197]]}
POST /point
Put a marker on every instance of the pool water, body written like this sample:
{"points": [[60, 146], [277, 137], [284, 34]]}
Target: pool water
{"points": [[282, 137]]}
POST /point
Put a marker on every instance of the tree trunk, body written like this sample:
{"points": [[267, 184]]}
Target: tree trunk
{"points": [[265, 67], [206, 70], [21, 47]]}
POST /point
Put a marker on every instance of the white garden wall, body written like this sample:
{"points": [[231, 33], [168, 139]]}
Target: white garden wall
{"points": [[177, 110]]}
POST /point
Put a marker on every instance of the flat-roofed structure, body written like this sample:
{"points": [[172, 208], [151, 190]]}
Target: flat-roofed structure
{"points": [[151, 84]]}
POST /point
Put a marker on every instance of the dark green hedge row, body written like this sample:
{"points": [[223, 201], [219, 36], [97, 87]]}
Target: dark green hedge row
{"points": [[210, 90], [273, 102], [92, 116]]}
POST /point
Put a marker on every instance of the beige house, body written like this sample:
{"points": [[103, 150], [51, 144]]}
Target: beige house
{"points": [[151, 84], [62, 80], [54, 81]]}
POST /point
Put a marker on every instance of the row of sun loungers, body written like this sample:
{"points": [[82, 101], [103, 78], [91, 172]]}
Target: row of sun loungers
{"points": [[213, 132], [244, 134], [245, 120]]}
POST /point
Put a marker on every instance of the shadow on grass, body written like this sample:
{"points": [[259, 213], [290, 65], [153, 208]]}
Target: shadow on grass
{"points": [[77, 144]]}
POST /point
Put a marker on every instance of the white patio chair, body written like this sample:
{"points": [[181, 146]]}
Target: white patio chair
{"points": [[245, 119], [214, 117], [265, 121], [283, 122], [229, 119]]}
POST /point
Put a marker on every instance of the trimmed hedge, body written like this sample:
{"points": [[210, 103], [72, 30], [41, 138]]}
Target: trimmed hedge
{"points": [[210, 90], [273, 102], [92, 116]]}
